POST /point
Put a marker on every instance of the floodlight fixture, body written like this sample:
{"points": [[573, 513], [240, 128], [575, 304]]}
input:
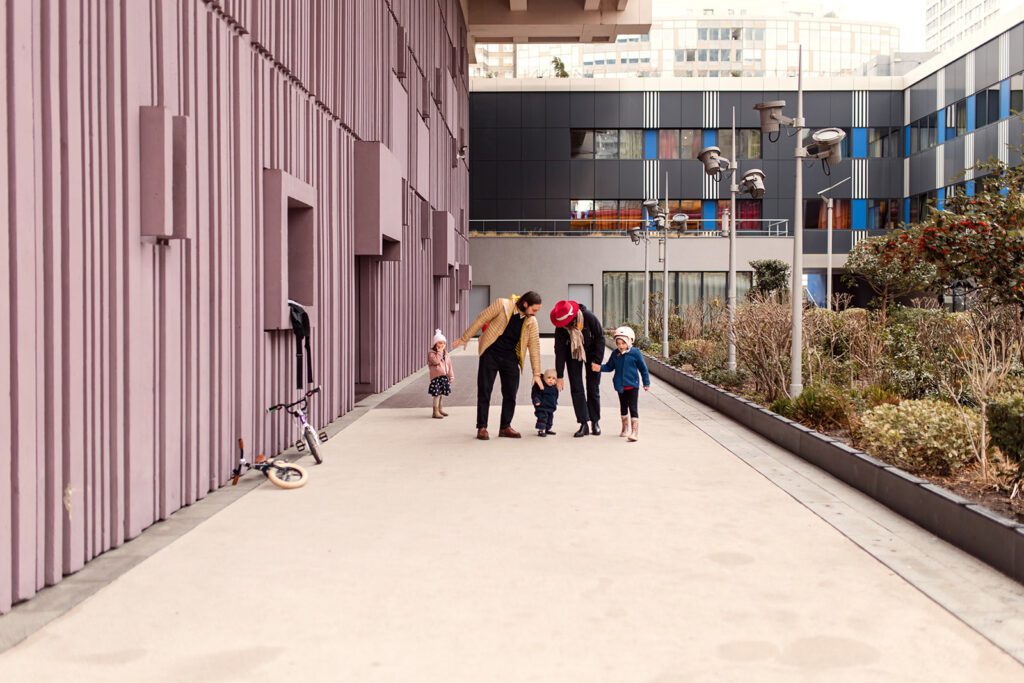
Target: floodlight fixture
{"points": [[753, 183], [714, 162], [772, 117], [679, 221], [827, 145], [634, 235], [652, 206]]}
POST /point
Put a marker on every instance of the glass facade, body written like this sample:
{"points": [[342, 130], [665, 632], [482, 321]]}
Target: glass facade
{"points": [[624, 292]]}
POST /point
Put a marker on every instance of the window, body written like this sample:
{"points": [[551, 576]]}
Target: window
{"points": [[924, 133], [702, 34], [680, 55], [606, 214], [920, 204], [884, 142], [712, 55], [749, 147], [668, 144], [606, 144], [691, 207], [631, 144], [702, 55], [630, 210], [1017, 94], [582, 143], [986, 108], [883, 213], [748, 213], [956, 120], [691, 55], [816, 214], [624, 292]]}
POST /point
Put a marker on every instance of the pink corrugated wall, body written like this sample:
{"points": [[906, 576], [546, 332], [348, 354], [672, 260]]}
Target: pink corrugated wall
{"points": [[132, 367]]}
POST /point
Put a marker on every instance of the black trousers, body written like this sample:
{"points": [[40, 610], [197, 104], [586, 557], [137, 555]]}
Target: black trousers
{"points": [[545, 418], [586, 398], [629, 401], [491, 365]]}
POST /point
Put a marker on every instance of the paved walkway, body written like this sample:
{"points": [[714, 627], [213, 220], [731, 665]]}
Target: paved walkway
{"points": [[417, 553]]}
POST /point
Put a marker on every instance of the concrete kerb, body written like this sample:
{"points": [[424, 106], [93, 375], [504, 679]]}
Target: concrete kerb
{"points": [[993, 539]]}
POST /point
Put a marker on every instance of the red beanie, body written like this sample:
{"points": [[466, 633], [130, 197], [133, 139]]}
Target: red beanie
{"points": [[564, 312]]}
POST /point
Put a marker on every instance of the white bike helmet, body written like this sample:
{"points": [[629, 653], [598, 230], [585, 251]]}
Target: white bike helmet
{"points": [[625, 333]]}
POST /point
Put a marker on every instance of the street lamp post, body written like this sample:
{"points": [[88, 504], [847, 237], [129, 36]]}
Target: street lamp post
{"points": [[658, 215], [825, 146], [828, 244]]}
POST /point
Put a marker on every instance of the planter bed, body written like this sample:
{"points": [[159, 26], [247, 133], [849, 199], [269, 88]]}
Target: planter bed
{"points": [[992, 538]]}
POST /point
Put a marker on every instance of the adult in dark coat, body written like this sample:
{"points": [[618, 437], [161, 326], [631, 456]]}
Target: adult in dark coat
{"points": [[579, 342]]}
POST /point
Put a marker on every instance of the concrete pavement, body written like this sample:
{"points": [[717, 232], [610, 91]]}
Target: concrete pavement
{"points": [[417, 553]]}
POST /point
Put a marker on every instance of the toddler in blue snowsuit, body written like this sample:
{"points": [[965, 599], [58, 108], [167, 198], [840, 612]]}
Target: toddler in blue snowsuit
{"points": [[545, 403]]}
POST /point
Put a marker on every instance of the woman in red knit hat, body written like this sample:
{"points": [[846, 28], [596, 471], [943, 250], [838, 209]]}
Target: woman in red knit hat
{"points": [[579, 343]]}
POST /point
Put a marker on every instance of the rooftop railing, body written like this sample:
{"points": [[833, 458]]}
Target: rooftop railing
{"points": [[617, 227]]}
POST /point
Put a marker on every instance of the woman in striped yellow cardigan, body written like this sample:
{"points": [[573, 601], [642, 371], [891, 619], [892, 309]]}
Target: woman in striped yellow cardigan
{"points": [[511, 331]]}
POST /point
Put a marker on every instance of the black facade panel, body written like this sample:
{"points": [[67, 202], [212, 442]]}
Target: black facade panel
{"points": [[606, 110], [535, 180], [953, 152], [509, 144], [885, 178], [780, 178], [483, 110], [581, 109], [693, 111], [556, 111], [558, 179], [1016, 138], [534, 211], [827, 109], [672, 170], [691, 181], [986, 142], [558, 207], [558, 144], [922, 172], [631, 110], [606, 179], [746, 115], [482, 209], [775, 207], [509, 210], [631, 179], [535, 143], [510, 110], [885, 108], [483, 179], [956, 81], [534, 109], [922, 98], [483, 143], [986, 64], [509, 180], [671, 110], [815, 179], [581, 179]]}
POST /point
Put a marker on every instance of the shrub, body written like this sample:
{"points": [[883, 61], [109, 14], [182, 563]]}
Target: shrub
{"points": [[762, 345], [877, 395], [922, 436], [771, 278], [782, 406], [732, 380], [1006, 426], [643, 343], [822, 407], [702, 354]]}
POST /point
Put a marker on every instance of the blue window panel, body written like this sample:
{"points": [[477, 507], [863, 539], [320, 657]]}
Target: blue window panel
{"points": [[942, 126], [710, 210], [710, 138], [940, 201], [859, 144], [906, 210], [859, 214], [970, 113], [970, 188], [1004, 99], [906, 141], [650, 144], [816, 288]]}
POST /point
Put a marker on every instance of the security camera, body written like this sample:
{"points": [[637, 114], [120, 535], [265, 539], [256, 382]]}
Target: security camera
{"points": [[826, 145], [679, 221], [463, 151], [772, 116], [753, 183], [713, 161]]}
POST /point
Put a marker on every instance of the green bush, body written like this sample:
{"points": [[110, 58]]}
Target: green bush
{"points": [[643, 343], [732, 380], [822, 407], [1006, 426], [877, 395], [702, 354], [921, 436], [783, 406]]}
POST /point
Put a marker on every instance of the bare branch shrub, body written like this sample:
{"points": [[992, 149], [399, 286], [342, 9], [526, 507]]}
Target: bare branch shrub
{"points": [[762, 343]]}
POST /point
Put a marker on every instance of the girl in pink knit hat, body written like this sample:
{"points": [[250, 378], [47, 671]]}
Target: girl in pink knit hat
{"points": [[441, 373]]}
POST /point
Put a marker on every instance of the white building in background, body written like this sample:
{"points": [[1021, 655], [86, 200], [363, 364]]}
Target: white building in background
{"points": [[947, 21], [709, 39]]}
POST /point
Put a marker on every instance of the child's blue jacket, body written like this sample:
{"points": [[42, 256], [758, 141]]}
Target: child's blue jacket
{"points": [[628, 369]]}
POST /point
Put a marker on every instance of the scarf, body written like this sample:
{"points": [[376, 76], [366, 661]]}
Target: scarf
{"points": [[576, 339]]}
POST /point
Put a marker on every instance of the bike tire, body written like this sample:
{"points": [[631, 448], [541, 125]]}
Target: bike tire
{"points": [[313, 442], [287, 475]]}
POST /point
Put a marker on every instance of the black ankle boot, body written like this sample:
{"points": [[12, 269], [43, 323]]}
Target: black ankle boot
{"points": [[595, 428], [584, 430]]}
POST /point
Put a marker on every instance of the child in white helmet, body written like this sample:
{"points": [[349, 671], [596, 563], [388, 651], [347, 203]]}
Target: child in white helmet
{"points": [[630, 373], [441, 373]]}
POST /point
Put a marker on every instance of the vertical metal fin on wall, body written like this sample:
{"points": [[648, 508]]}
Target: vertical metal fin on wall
{"points": [[710, 187], [969, 156], [968, 74], [940, 89], [652, 110], [860, 108], [711, 109], [940, 166], [860, 178], [1004, 56], [652, 177], [1003, 133]]}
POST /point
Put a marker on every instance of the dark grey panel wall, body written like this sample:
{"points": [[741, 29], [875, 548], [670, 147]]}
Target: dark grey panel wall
{"points": [[1016, 138], [986, 64], [556, 111], [581, 109], [535, 143], [558, 179], [670, 110], [823, 109], [922, 171], [1017, 48], [581, 179], [885, 178], [956, 81], [509, 176], [509, 147], [558, 147], [606, 180], [922, 98], [885, 108], [534, 180], [631, 179], [986, 142], [606, 110], [534, 109], [483, 180], [693, 110], [510, 110], [483, 108], [954, 161], [631, 110]]}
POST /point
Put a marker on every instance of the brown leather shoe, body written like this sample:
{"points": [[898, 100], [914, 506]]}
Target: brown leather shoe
{"points": [[509, 433], [482, 434]]}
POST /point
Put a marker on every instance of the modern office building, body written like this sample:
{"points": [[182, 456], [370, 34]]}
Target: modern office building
{"points": [[950, 21], [560, 167], [738, 38], [174, 174]]}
